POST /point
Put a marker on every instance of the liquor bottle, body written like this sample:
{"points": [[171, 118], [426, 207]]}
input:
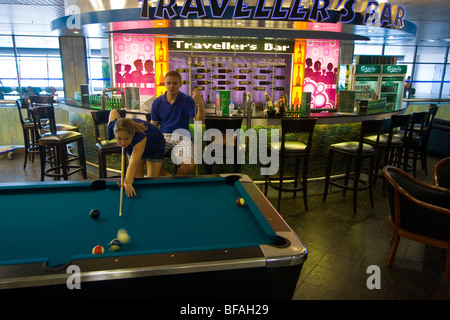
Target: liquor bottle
{"points": [[299, 54], [218, 88], [268, 100], [264, 83], [245, 71], [161, 76], [298, 79], [239, 88], [259, 77], [239, 110], [202, 70], [296, 99], [203, 82], [184, 82], [161, 52], [198, 76], [237, 77], [223, 82], [199, 65], [200, 88], [182, 70], [219, 65], [219, 76], [265, 71], [279, 88], [223, 70], [280, 66], [261, 65], [231, 109], [259, 88], [279, 77], [245, 82]]}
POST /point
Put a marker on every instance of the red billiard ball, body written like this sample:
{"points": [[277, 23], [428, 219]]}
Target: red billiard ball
{"points": [[98, 250], [240, 202]]}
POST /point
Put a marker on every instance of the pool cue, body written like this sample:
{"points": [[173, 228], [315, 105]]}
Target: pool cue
{"points": [[121, 181], [195, 151]]}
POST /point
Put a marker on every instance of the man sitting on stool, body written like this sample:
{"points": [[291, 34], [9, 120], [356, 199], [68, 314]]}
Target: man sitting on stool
{"points": [[171, 111]]}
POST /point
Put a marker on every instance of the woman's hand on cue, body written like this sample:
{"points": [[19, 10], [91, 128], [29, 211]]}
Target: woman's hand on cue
{"points": [[129, 189]]}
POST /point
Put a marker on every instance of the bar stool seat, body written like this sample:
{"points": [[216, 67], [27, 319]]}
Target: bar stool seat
{"points": [[357, 151], [56, 142]]}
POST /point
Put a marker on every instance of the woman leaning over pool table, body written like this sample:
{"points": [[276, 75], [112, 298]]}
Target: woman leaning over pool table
{"points": [[144, 144]]}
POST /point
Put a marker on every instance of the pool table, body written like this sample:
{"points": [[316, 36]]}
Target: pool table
{"points": [[189, 239]]}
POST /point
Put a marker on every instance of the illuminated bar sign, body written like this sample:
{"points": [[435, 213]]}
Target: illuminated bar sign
{"points": [[232, 45], [384, 14]]}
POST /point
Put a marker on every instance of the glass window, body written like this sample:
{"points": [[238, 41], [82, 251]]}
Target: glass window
{"points": [[427, 81], [404, 53], [98, 64], [431, 54], [371, 50], [446, 86]]}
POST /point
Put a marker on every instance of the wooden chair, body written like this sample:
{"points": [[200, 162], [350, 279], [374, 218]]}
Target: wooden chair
{"points": [[418, 212], [358, 151], [441, 174], [104, 146], [292, 149]]}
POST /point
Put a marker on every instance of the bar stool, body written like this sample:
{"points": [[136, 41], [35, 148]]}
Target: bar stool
{"points": [[358, 151], [57, 142], [294, 149], [411, 148], [425, 136], [389, 145], [30, 144], [104, 146], [216, 147]]}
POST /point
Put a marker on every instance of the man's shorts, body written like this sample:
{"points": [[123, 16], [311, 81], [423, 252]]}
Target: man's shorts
{"points": [[179, 147]]}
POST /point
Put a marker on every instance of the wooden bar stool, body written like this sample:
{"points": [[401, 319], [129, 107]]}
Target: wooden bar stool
{"points": [[412, 142], [222, 125], [297, 149], [56, 142], [43, 101], [358, 151], [104, 146], [389, 145], [31, 146]]}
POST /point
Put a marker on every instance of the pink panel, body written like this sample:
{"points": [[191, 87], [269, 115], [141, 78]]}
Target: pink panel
{"points": [[321, 67], [134, 58]]}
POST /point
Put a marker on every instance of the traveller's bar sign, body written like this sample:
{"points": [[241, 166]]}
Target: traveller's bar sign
{"points": [[384, 14]]}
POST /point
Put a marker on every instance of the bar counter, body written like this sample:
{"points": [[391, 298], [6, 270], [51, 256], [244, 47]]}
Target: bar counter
{"points": [[330, 128]]}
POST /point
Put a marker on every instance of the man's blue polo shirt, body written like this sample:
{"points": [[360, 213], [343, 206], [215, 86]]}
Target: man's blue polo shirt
{"points": [[173, 116]]}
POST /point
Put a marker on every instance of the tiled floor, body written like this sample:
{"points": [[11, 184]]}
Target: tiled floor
{"points": [[341, 245]]}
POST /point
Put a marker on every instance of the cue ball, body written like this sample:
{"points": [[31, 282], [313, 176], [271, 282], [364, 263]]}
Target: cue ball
{"points": [[98, 250], [123, 236], [240, 202], [94, 214], [114, 245]]}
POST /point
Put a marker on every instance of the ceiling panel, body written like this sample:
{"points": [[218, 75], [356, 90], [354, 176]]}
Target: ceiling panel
{"points": [[432, 18]]}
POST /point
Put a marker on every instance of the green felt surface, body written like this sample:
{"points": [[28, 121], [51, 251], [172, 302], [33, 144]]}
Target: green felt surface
{"points": [[51, 222]]}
